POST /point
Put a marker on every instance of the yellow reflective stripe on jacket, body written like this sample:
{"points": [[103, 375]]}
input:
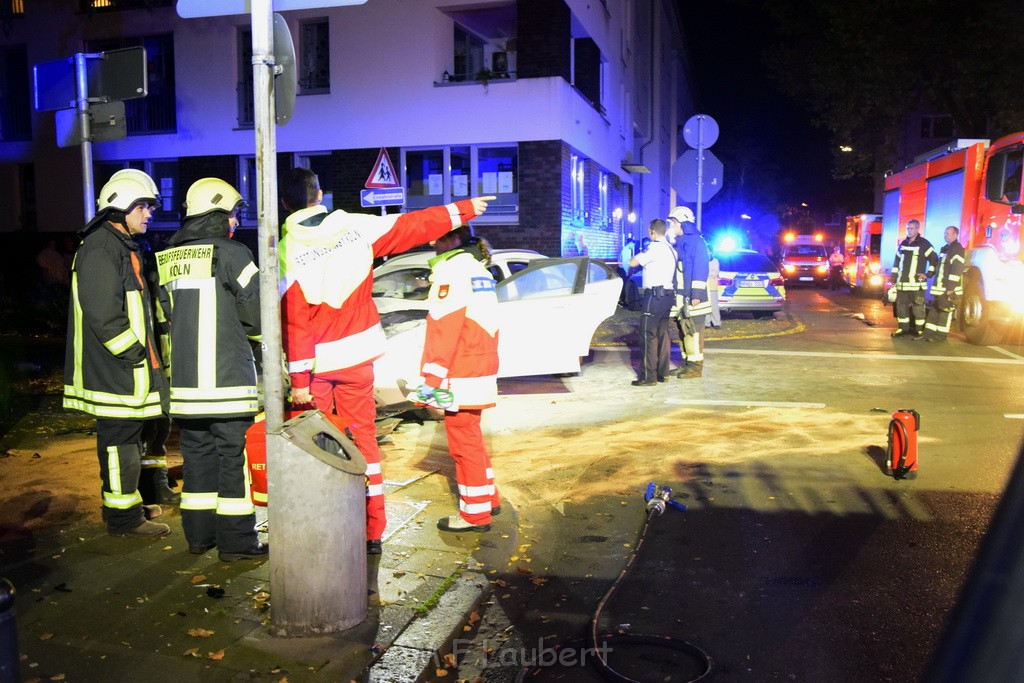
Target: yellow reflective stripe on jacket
{"points": [[121, 342], [239, 407], [246, 275], [150, 409], [698, 284]]}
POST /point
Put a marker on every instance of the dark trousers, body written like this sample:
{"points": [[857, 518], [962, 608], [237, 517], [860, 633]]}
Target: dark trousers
{"points": [[654, 336], [153, 479], [118, 448], [216, 504], [910, 310], [937, 321]]}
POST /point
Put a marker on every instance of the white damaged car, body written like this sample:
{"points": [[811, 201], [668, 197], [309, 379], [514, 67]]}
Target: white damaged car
{"points": [[549, 312]]}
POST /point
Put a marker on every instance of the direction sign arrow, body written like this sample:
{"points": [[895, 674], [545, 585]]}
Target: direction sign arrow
{"points": [[684, 175], [388, 197]]}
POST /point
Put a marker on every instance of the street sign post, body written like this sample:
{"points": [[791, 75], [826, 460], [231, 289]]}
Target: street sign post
{"points": [[700, 132], [106, 122], [378, 197], [117, 74]]}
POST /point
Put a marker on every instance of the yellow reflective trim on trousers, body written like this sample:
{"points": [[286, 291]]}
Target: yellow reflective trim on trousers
{"points": [[114, 470], [121, 342], [198, 501], [150, 463], [121, 502], [235, 506]]}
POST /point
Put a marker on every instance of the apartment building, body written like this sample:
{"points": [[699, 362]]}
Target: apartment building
{"points": [[569, 111]]}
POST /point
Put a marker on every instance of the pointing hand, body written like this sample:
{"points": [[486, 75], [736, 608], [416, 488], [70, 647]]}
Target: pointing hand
{"points": [[480, 203]]}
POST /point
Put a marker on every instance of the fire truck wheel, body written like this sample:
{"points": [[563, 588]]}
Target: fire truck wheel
{"points": [[975, 317]]}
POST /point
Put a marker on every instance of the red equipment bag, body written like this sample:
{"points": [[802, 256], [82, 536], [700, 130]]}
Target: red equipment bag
{"points": [[901, 455]]}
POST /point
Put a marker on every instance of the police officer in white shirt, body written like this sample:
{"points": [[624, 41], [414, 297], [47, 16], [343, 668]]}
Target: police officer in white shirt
{"points": [[657, 296]]}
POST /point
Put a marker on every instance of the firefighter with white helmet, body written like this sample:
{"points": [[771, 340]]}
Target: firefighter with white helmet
{"points": [[112, 368], [692, 302], [211, 288]]}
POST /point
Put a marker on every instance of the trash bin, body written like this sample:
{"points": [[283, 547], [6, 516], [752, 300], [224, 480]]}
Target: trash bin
{"points": [[317, 513], [8, 635]]}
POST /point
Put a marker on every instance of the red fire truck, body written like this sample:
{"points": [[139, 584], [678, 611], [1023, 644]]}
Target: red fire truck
{"points": [[863, 240], [976, 186]]}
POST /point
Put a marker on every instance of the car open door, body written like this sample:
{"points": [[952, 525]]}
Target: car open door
{"points": [[549, 313]]}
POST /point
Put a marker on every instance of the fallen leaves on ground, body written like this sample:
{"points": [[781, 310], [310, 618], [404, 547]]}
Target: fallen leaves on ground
{"points": [[200, 633]]}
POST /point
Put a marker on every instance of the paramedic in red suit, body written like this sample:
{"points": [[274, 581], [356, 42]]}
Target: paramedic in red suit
{"points": [[332, 333], [460, 355]]}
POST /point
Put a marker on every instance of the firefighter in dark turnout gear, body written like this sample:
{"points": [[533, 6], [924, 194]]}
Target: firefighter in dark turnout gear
{"points": [[212, 288], [154, 486], [692, 302], [112, 368], [914, 263], [946, 288]]}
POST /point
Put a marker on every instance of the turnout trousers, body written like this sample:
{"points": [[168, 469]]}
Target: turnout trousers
{"points": [[937, 322], [216, 503], [119, 446], [349, 394], [910, 304], [654, 337], [473, 473], [691, 339]]}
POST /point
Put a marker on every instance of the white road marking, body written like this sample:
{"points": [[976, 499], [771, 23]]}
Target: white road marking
{"points": [[1014, 416], [1008, 353], [744, 404], [865, 356]]}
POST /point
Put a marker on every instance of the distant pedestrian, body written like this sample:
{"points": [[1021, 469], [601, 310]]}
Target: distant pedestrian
{"points": [[914, 263], [835, 268], [112, 370], [656, 299], [714, 318], [946, 289], [460, 356]]}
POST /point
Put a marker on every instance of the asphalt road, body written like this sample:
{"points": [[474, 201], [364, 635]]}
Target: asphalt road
{"points": [[797, 559]]}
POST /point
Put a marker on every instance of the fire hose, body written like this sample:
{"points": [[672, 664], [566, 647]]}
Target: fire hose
{"points": [[658, 500]]}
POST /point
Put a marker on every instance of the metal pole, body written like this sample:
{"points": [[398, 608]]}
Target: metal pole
{"points": [[700, 169], [82, 102], [266, 171]]}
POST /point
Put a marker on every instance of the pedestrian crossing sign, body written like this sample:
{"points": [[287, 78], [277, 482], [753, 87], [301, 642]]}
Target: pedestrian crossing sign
{"points": [[383, 174]]}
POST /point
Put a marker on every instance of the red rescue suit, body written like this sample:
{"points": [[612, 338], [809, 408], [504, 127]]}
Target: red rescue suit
{"points": [[460, 354], [332, 332]]}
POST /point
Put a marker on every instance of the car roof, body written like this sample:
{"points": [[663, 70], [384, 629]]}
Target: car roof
{"points": [[422, 257]]}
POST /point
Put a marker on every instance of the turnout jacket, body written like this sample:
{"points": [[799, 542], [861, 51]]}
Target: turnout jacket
{"points": [[326, 259], [692, 276], [212, 300], [913, 259], [460, 352], [112, 368], [951, 268]]}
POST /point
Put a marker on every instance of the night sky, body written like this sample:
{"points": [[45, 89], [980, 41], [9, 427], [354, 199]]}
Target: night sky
{"points": [[788, 156]]}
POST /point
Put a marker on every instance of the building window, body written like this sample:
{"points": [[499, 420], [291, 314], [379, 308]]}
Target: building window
{"points": [[87, 6], [315, 56], [587, 71], [164, 173], [248, 187], [484, 43], [443, 175], [937, 127], [157, 111], [578, 164], [15, 97], [246, 106]]}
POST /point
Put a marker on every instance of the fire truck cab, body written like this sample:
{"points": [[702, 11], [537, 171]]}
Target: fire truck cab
{"points": [[974, 185], [804, 259]]}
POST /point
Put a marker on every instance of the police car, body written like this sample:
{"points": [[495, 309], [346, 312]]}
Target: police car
{"points": [[749, 281]]}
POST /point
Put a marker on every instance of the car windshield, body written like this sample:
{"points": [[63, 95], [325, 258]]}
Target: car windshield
{"points": [[411, 283], [806, 250], [745, 263]]}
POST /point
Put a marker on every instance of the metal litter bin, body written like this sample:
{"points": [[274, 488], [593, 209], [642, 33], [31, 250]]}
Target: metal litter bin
{"points": [[317, 511]]}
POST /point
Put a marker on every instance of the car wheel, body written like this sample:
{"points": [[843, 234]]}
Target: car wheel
{"points": [[975, 317]]}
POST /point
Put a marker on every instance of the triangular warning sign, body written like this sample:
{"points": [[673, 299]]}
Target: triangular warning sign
{"points": [[383, 174]]}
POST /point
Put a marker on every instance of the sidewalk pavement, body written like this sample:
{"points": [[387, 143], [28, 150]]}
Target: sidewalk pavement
{"points": [[91, 607]]}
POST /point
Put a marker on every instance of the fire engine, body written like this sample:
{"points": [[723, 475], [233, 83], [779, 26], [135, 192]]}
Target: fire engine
{"points": [[976, 186], [804, 259], [863, 241]]}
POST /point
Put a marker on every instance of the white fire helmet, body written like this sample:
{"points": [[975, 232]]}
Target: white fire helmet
{"points": [[210, 194]]}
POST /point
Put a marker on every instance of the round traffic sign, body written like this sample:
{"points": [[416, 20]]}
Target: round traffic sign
{"points": [[700, 131]]}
